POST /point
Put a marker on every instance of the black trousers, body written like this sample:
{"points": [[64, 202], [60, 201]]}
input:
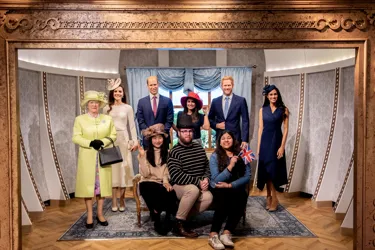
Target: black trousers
{"points": [[158, 198], [229, 204]]}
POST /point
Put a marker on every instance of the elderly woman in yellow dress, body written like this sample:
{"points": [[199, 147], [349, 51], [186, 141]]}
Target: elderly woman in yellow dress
{"points": [[89, 133]]}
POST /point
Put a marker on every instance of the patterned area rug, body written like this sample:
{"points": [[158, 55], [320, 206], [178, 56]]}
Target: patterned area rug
{"points": [[259, 223]]}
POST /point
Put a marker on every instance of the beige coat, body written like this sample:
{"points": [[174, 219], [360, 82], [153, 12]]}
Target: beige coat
{"points": [[86, 129]]}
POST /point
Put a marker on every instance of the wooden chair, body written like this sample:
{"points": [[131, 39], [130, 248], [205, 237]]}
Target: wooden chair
{"points": [[141, 205]]}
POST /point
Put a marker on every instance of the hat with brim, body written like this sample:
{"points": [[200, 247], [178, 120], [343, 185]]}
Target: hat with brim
{"points": [[195, 97], [185, 121], [156, 129], [113, 83], [92, 95]]}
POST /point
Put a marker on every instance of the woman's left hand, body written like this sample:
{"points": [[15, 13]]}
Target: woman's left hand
{"points": [[168, 187], [222, 185], [280, 152], [206, 109]]}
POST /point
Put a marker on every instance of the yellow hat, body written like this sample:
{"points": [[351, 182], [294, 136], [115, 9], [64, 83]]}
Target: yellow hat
{"points": [[92, 95]]}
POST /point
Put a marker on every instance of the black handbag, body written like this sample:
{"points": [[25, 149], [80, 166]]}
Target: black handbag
{"points": [[108, 156]]}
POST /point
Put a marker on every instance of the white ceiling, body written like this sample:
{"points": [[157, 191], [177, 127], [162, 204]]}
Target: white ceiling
{"points": [[106, 61]]}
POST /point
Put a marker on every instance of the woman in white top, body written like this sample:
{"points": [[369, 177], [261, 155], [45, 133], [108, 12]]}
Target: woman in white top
{"points": [[122, 115]]}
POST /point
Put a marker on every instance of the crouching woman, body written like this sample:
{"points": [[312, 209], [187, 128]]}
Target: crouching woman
{"points": [[154, 185], [229, 176]]}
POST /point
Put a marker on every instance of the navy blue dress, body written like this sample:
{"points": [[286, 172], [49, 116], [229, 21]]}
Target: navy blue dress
{"points": [[271, 168]]}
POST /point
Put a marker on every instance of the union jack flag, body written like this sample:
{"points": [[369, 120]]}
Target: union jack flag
{"points": [[247, 154]]}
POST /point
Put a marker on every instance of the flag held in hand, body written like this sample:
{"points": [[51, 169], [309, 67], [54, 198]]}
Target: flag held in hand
{"points": [[247, 154]]}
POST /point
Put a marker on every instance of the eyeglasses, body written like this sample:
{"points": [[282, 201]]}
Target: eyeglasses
{"points": [[190, 131]]}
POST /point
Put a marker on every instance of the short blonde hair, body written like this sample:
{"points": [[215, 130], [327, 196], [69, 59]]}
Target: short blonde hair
{"points": [[227, 78], [151, 77]]}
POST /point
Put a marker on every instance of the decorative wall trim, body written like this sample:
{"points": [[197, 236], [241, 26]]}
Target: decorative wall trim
{"points": [[81, 93], [51, 141], [25, 23], [333, 122], [24, 204], [30, 172], [266, 79], [344, 183], [299, 131]]}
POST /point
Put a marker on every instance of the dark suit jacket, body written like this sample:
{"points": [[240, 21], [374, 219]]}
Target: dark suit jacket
{"points": [[164, 114], [237, 109]]}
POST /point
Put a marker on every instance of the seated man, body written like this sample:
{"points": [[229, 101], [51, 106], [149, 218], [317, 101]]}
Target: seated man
{"points": [[189, 172]]}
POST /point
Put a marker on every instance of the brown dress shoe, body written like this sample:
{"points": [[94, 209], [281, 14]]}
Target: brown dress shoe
{"points": [[180, 230]]}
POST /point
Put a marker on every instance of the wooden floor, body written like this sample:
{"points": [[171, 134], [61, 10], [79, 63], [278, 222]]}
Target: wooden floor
{"points": [[56, 220]]}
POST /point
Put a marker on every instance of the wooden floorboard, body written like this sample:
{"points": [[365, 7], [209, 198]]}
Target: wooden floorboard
{"points": [[321, 221]]}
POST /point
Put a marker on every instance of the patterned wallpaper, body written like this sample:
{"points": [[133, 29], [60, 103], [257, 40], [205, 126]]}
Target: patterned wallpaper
{"points": [[289, 87], [347, 120], [62, 96], [319, 100], [96, 84], [192, 58], [30, 91]]}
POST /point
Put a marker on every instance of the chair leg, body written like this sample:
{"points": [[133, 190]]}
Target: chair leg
{"points": [[139, 218]]}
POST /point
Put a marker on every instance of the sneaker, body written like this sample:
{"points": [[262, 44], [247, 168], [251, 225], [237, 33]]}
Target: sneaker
{"points": [[226, 239], [215, 243]]}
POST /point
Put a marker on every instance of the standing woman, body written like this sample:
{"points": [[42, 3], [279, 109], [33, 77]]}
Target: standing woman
{"points": [[271, 145], [192, 104], [154, 185], [229, 176], [89, 133], [123, 115]]}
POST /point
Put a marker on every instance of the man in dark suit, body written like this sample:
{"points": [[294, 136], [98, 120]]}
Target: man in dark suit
{"points": [[154, 108], [226, 113]]}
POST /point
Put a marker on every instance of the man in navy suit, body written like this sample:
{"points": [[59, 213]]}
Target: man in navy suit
{"points": [[226, 113], [154, 108]]}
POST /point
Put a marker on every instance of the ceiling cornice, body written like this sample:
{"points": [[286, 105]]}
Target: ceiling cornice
{"points": [[187, 5]]}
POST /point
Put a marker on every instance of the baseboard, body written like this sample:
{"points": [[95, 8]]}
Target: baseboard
{"points": [[346, 231], [340, 216], [27, 229], [292, 194], [59, 203], [318, 204], [35, 215]]}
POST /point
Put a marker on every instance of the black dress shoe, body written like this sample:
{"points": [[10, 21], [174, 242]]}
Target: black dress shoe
{"points": [[103, 223], [89, 226]]}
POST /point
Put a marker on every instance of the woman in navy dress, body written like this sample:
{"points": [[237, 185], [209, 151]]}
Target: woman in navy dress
{"points": [[271, 145]]}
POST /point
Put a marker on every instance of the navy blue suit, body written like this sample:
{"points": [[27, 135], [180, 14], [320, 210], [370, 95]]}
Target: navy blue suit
{"points": [[237, 109], [146, 117]]}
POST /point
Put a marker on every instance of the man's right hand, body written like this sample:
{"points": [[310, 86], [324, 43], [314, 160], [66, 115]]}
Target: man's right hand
{"points": [[204, 184], [220, 125]]}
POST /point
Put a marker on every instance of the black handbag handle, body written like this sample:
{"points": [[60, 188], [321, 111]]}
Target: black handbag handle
{"points": [[109, 138]]}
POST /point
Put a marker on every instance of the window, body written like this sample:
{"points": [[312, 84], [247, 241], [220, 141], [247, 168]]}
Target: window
{"points": [[207, 136]]}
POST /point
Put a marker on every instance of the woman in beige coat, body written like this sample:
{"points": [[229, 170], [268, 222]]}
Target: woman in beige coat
{"points": [[89, 133]]}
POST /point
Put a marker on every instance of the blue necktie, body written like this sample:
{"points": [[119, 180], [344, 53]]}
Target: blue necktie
{"points": [[226, 106]]}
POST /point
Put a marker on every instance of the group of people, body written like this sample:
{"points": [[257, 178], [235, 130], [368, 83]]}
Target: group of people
{"points": [[180, 181]]}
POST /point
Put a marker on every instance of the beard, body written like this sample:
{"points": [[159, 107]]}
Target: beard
{"points": [[186, 141]]}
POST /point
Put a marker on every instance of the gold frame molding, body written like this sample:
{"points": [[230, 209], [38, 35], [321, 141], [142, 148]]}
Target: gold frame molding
{"points": [[192, 24]]}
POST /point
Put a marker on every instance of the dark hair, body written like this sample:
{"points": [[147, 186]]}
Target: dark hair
{"points": [[150, 153], [195, 114], [111, 98], [222, 160], [279, 101]]}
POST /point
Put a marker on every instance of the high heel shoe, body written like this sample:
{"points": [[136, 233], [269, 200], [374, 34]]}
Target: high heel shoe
{"points": [[274, 205], [268, 202], [103, 223], [89, 226]]}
